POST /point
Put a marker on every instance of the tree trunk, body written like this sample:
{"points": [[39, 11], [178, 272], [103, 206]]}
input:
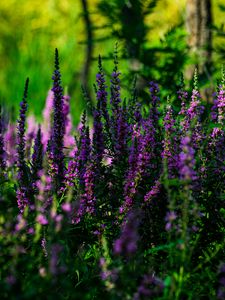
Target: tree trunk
{"points": [[198, 21]]}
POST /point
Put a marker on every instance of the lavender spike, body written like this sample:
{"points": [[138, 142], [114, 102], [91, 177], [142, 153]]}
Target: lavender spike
{"points": [[58, 129], [37, 157]]}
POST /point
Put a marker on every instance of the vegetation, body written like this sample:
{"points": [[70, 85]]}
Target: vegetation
{"points": [[132, 208], [112, 191]]}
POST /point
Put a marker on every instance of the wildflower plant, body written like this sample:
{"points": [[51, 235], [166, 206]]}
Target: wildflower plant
{"points": [[128, 205]]}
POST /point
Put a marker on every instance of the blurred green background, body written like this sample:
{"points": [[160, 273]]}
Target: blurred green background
{"points": [[152, 42]]}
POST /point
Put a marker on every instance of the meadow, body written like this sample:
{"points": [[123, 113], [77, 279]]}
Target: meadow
{"points": [[129, 204]]}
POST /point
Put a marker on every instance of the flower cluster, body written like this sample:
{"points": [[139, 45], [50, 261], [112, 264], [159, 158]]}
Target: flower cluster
{"points": [[56, 141], [127, 243], [136, 186]]}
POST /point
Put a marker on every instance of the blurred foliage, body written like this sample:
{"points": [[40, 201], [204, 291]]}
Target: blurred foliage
{"points": [[156, 48], [149, 56], [28, 39]]}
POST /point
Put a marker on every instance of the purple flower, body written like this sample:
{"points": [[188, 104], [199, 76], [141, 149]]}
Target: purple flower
{"points": [[69, 141], [182, 96], [41, 219], [43, 246], [149, 288], [221, 289], [44, 189], [216, 151], [214, 108], [32, 128], [98, 138], [21, 136], [171, 216], [101, 93], [88, 200], [37, 156], [131, 176], [115, 102], [126, 244], [154, 113], [67, 207], [31, 231], [149, 147], [195, 109], [170, 143], [72, 171], [58, 129], [141, 161], [187, 161], [47, 119], [21, 223], [122, 135], [155, 190], [84, 148], [11, 280], [53, 264], [194, 112], [221, 104], [24, 176], [115, 87], [22, 198], [106, 274]]}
